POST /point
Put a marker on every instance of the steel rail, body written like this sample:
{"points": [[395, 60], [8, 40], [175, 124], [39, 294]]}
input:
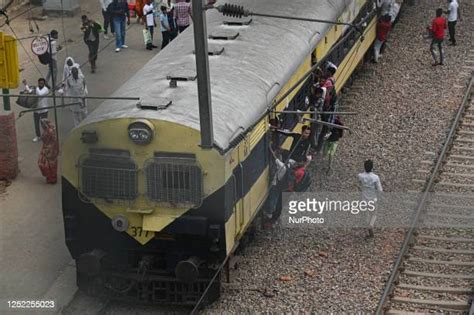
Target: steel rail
{"points": [[422, 203], [84, 97]]}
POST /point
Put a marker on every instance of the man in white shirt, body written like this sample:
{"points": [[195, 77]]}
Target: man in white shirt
{"points": [[40, 90], [165, 27], [76, 89], [279, 183], [149, 19], [453, 15], [370, 187]]}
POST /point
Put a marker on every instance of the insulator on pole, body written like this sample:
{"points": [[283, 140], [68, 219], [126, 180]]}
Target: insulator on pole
{"points": [[232, 10]]}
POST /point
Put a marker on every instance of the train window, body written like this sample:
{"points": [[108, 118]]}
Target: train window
{"points": [[237, 21], [224, 35], [213, 50], [298, 102], [182, 75], [174, 179]]}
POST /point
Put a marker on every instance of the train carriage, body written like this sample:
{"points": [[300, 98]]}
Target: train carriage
{"points": [[148, 213]]}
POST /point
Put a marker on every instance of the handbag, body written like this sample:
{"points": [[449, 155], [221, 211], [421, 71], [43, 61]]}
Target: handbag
{"points": [[27, 102], [146, 37]]}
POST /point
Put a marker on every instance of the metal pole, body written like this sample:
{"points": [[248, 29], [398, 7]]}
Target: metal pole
{"points": [[202, 68], [6, 99], [53, 82]]}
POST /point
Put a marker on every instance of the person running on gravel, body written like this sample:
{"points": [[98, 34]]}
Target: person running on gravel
{"points": [[370, 187], [438, 25]]}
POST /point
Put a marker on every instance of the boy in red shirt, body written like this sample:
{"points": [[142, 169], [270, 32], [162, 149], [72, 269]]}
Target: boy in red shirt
{"points": [[438, 25], [383, 27]]}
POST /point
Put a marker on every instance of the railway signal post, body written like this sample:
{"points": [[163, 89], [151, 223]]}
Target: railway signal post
{"points": [[9, 79], [202, 71]]}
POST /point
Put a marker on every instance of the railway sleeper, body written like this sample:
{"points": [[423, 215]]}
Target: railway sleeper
{"points": [[444, 250], [437, 232], [413, 273], [451, 216], [451, 225]]}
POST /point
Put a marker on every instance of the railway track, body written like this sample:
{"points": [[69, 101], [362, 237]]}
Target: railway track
{"points": [[434, 271]]}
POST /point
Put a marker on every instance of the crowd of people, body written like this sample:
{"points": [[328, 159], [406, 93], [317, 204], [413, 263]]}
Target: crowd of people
{"points": [[438, 28]]}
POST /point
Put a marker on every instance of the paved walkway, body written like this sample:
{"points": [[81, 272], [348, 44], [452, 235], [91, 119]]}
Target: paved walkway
{"points": [[33, 255]]}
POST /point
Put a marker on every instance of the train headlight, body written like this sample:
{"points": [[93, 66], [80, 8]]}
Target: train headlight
{"points": [[141, 131]]}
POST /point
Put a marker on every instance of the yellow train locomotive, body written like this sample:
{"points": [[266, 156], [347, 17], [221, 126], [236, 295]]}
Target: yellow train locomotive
{"points": [[148, 213]]}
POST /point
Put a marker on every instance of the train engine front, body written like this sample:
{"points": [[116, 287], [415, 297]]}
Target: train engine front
{"points": [[145, 208]]}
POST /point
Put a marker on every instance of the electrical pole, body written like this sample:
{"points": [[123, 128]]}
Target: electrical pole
{"points": [[202, 69]]}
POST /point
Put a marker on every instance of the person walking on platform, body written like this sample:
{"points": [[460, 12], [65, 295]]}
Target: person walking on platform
{"points": [[438, 25], [107, 18], [119, 10], [76, 89], [91, 31], [41, 90], [165, 27], [48, 157], [370, 187], [453, 15]]}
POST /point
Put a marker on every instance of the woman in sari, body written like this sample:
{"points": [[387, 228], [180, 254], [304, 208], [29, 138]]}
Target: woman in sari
{"points": [[48, 158], [68, 64]]}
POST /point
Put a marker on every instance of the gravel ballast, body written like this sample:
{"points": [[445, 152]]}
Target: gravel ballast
{"points": [[405, 107]]}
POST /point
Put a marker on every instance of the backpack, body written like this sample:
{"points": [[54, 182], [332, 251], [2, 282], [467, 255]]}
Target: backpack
{"points": [[45, 58], [304, 184]]}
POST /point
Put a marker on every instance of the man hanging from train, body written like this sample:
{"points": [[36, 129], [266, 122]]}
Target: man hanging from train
{"points": [[330, 101], [299, 150]]}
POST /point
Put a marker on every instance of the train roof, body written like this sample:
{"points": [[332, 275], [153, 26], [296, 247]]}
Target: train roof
{"points": [[245, 78]]}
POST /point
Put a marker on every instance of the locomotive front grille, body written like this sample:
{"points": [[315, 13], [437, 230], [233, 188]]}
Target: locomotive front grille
{"points": [[109, 175], [174, 180]]}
